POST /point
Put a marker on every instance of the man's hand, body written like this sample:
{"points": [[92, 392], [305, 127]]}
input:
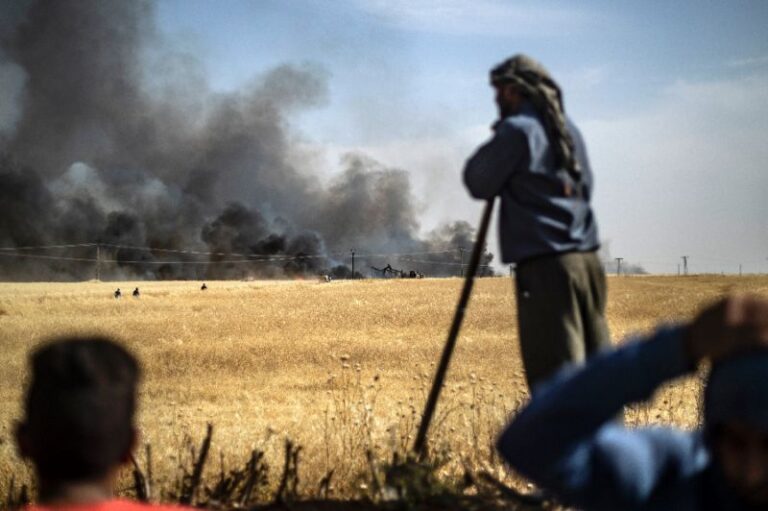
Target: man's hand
{"points": [[734, 324]]}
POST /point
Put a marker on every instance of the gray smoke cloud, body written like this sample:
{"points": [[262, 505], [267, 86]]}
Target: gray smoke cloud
{"points": [[110, 135]]}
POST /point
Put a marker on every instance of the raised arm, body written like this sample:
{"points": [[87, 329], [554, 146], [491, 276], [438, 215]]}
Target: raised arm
{"points": [[494, 162], [565, 440]]}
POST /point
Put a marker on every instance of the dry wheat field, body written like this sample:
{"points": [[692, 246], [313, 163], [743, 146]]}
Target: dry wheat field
{"points": [[341, 368]]}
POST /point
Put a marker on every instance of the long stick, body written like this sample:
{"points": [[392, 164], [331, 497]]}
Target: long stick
{"points": [[419, 447]]}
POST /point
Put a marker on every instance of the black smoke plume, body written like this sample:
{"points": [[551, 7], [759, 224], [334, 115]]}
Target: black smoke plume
{"points": [[111, 136]]}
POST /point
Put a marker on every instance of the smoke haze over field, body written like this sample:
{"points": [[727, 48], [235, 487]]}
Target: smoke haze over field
{"points": [[110, 135]]}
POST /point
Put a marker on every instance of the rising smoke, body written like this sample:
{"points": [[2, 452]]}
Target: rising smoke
{"points": [[110, 135]]}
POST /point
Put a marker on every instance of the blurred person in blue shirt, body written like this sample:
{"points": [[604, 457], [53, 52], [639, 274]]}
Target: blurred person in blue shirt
{"points": [[566, 441]]}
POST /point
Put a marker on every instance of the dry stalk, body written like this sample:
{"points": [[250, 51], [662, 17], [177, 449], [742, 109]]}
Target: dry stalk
{"points": [[289, 482], [14, 499], [257, 475], [191, 482], [142, 484], [324, 489]]}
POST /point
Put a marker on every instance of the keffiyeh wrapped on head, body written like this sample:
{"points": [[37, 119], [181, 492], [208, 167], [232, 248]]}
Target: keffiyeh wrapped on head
{"points": [[534, 82]]}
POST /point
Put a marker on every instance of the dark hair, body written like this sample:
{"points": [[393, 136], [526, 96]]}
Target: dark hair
{"points": [[80, 406]]}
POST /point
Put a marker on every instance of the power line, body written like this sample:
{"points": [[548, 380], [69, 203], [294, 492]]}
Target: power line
{"points": [[196, 252], [445, 263], [247, 257], [47, 247], [328, 255], [100, 260], [56, 258], [233, 258]]}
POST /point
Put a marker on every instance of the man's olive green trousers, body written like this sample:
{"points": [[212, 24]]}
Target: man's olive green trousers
{"points": [[561, 311]]}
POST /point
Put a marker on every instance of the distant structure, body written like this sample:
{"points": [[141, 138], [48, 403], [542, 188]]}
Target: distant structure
{"points": [[381, 271], [389, 272], [118, 294], [136, 293], [203, 287]]}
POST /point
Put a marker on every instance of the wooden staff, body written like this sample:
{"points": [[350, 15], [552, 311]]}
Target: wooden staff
{"points": [[420, 446]]}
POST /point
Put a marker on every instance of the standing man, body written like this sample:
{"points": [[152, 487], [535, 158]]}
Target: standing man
{"points": [[536, 161]]}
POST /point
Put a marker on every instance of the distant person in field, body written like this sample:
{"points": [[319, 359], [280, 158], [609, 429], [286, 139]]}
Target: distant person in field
{"points": [[203, 287], [537, 163], [567, 442], [78, 428], [136, 293], [118, 294]]}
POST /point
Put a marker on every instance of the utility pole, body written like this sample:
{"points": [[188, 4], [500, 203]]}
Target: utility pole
{"points": [[353, 261], [461, 268], [739, 269], [678, 269], [98, 263], [685, 265], [618, 265]]}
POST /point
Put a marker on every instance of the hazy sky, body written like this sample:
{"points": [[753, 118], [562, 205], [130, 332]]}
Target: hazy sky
{"points": [[672, 98]]}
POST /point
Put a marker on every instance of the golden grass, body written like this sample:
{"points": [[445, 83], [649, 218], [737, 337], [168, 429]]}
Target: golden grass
{"points": [[338, 367]]}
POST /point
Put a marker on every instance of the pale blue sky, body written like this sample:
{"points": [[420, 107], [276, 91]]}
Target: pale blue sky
{"points": [[672, 98]]}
